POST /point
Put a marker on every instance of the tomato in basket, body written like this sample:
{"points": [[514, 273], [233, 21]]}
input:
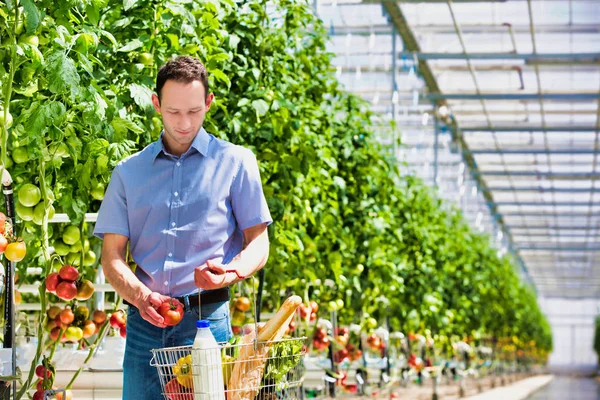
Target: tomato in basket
{"points": [[175, 391]]}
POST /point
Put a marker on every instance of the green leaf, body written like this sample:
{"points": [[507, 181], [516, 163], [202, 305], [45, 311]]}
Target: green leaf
{"points": [[234, 40], [32, 16], [62, 74], [121, 125], [141, 95], [134, 44], [129, 4], [110, 37], [93, 14], [260, 106], [218, 57], [100, 3], [220, 75]]}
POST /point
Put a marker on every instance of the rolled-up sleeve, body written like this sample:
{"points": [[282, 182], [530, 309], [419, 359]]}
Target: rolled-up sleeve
{"points": [[247, 198], [112, 217]]}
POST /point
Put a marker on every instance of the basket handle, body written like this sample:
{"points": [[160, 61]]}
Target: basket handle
{"points": [[235, 271], [153, 360]]}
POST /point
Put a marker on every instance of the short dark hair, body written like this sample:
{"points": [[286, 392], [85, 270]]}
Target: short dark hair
{"points": [[184, 69]]}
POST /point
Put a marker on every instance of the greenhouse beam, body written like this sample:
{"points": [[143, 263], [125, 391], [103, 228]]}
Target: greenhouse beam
{"points": [[583, 96], [555, 175], [525, 128], [550, 227], [532, 151], [569, 57], [559, 249], [546, 204], [540, 189]]}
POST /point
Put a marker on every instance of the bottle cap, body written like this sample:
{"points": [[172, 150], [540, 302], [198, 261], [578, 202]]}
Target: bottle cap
{"points": [[203, 324]]}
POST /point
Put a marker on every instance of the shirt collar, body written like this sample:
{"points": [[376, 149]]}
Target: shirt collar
{"points": [[200, 143]]}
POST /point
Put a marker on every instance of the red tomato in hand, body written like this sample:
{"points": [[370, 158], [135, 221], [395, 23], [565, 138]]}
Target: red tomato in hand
{"points": [[171, 311]]}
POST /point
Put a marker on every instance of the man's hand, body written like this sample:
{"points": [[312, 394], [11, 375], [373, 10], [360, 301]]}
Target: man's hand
{"points": [[212, 275], [148, 305]]}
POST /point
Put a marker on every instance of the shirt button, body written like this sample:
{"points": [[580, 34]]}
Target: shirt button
{"points": [[166, 283], [178, 164], [170, 254], [172, 223], [176, 194]]}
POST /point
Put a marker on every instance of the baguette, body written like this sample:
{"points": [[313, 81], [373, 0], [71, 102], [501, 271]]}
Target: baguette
{"points": [[285, 313], [250, 364]]}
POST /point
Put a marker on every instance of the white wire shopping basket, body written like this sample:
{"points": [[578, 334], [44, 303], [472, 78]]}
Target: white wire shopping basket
{"points": [[251, 370], [272, 371]]}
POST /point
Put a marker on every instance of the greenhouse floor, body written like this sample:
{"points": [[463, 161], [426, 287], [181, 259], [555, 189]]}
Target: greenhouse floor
{"points": [[567, 388], [106, 385]]}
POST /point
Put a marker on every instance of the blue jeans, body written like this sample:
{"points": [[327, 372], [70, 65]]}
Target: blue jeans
{"points": [[140, 380]]}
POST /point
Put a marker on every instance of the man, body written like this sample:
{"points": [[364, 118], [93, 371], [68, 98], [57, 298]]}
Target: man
{"points": [[191, 207]]}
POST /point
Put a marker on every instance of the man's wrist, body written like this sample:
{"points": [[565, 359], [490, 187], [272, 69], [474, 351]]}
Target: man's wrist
{"points": [[142, 296]]}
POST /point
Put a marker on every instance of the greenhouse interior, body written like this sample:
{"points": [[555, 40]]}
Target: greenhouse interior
{"points": [[395, 199]]}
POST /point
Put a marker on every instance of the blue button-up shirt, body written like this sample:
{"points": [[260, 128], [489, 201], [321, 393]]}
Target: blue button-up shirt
{"points": [[179, 212]]}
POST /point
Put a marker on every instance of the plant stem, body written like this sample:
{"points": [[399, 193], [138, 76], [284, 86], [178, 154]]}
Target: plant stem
{"points": [[93, 347], [8, 88]]}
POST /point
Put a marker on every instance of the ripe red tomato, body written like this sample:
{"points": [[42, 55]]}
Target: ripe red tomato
{"points": [[123, 331], [67, 316], [52, 281], [118, 320], [3, 243], [39, 395], [66, 290], [171, 311], [68, 273], [40, 370], [314, 306], [2, 222], [99, 317]]}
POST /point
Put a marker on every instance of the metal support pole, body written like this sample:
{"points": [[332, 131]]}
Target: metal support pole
{"points": [[9, 298], [261, 284], [331, 383], [435, 145], [394, 89]]}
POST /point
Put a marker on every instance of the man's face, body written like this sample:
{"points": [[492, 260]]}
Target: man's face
{"points": [[183, 107]]}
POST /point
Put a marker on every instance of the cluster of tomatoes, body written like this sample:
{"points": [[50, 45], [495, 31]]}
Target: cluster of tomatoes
{"points": [[375, 343], [45, 382], [13, 249], [240, 306], [321, 339], [75, 323], [118, 320], [346, 350], [67, 285]]}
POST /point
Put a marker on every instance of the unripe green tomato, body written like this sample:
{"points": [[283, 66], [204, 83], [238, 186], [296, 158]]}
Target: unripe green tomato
{"points": [[61, 248], [333, 305], [29, 195], [146, 59], [89, 259], [9, 119], [25, 213], [38, 213], [73, 259], [32, 40], [20, 155]]}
